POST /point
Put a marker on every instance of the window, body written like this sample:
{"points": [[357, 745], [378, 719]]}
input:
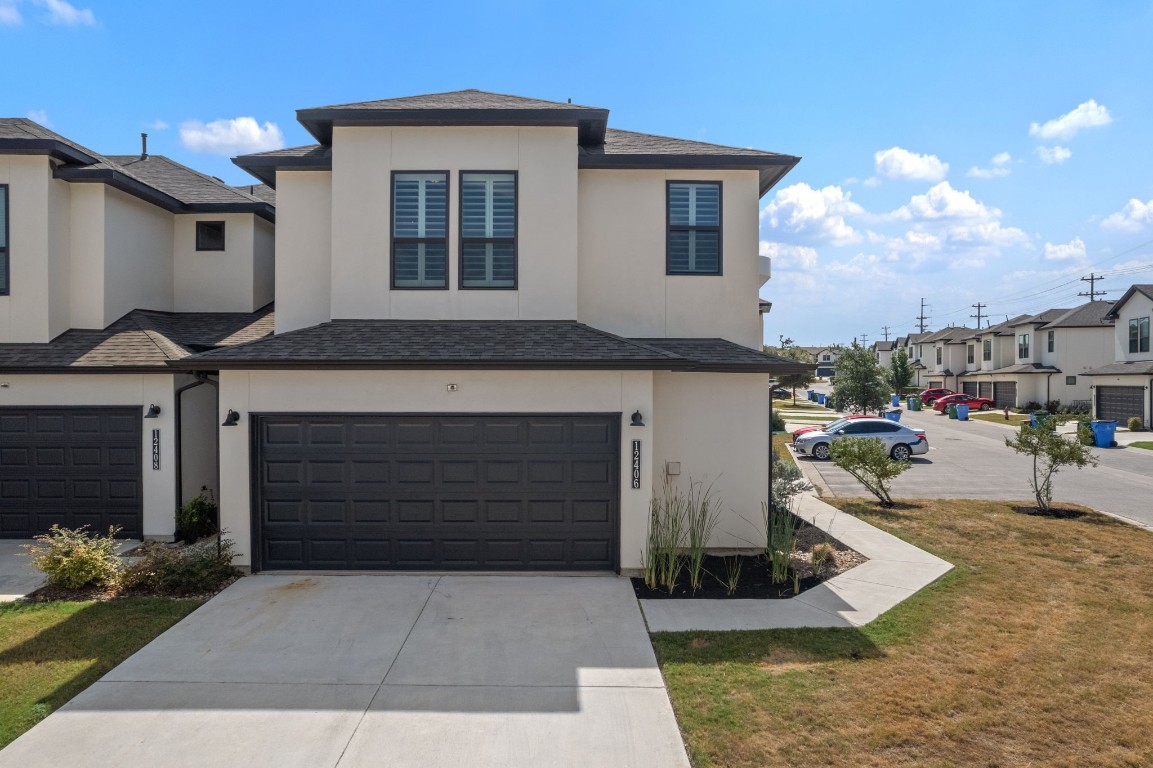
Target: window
{"points": [[694, 216], [1023, 346], [938, 355], [972, 358], [3, 239], [488, 230], [1138, 335], [1049, 340], [826, 358], [1071, 381], [210, 235], [419, 230], [987, 349]]}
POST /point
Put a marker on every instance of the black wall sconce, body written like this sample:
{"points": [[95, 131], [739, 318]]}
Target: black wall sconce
{"points": [[232, 419], [153, 411], [637, 420]]}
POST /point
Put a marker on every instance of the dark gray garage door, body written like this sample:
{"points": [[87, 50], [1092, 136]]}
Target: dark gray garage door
{"points": [[969, 388], [1005, 394], [985, 390], [71, 466], [1120, 403], [522, 492]]}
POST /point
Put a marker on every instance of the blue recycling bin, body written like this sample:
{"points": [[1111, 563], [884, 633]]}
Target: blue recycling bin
{"points": [[1103, 432], [1038, 419], [962, 412], [896, 401], [820, 398], [893, 415], [812, 396]]}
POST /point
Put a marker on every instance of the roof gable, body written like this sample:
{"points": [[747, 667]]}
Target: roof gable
{"points": [[1145, 289]]}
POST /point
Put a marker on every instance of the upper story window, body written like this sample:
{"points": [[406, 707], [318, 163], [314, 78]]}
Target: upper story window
{"points": [[971, 358], [3, 239], [1138, 335], [1050, 340], [1023, 346], [694, 237], [987, 349], [488, 230], [826, 358], [419, 230], [210, 235], [938, 355]]}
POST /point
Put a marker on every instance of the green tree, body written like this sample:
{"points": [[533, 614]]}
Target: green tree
{"points": [[866, 459], [794, 381], [900, 373], [860, 382], [1050, 452]]}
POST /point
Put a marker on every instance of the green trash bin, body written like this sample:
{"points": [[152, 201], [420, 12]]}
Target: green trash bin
{"points": [[915, 403], [952, 411]]}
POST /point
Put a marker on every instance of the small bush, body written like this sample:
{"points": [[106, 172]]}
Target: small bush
{"points": [[868, 461], [778, 422], [75, 558], [1032, 407], [1085, 435], [1135, 424], [1053, 406], [205, 566], [824, 555], [197, 518]]}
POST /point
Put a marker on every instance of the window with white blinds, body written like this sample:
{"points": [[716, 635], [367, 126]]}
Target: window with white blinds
{"points": [[3, 239], [694, 238], [488, 230], [420, 230]]}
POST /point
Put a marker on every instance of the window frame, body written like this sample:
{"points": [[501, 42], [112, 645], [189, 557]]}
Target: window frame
{"points": [[6, 243], [1135, 324], [223, 236], [1070, 381], [986, 350], [392, 232], [1022, 346], [460, 238], [719, 228], [1050, 342], [940, 355], [971, 354]]}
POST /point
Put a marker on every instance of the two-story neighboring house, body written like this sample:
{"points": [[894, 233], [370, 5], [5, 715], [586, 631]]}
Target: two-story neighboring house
{"points": [[500, 323], [110, 267], [826, 360], [942, 353], [883, 351], [1123, 388]]}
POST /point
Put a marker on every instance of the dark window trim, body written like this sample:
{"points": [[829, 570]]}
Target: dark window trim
{"points": [[223, 236], [1135, 343], [1022, 346], [392, 240], [987, 349], [460, 238], [972, 353], [720, 228], [1070, 381], [6, 248], [1050, 342]]}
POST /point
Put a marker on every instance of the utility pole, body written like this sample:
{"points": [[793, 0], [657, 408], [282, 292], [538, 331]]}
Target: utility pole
{"points": [[885, 330], [864, 339], [1093, 293], [978, 306], [921, 317]]}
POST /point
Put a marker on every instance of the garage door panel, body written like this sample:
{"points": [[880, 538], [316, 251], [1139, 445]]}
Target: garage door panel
{"points": [[547, 511], [371, 510], [969, 388], [1120, 403]]}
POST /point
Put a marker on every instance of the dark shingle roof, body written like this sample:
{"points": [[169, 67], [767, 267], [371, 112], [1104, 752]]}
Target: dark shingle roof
{"points": [[263, 165], [181, 182], [1093, 314], [469, 98], [141, 340], [951, 335], [618, 142], [19, 133], [719, 354], [1145, 289], [1024, 368], [1005, 328], [1041, 317], [260, 191], [1135, 368]]}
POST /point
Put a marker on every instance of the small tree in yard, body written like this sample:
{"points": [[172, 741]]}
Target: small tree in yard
{"points": [[900, 373], [1050, 452], [866, 459], [794, 381], [860, 383]]}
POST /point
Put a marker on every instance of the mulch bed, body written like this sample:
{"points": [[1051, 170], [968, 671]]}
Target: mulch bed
{"points": [[755, 578]]}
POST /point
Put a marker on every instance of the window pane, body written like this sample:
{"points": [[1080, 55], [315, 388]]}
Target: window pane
{"points": [[694, 205], [488, 265], [420, 205], [420, 265], [210, 235], [693, 251], [488, 205], [1144, 333], [1133, 335]]}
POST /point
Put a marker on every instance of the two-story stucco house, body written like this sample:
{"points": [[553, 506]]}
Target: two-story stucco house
{"points": [[1123, 388], [499, 324], [942, 353], [110, 267]]}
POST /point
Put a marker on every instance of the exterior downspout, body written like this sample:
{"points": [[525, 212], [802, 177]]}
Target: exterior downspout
{"points": [[201, 378], [1048, 390]]}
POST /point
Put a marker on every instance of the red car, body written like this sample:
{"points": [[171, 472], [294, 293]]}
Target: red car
{"points": [[975, 403], [821, 427], [930, 396]]}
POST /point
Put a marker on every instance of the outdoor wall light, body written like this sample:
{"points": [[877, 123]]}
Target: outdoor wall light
{"points": [[232, 419], [637, 421], [153, 411]]}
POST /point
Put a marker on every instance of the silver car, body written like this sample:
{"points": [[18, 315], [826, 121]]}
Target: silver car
{"points": [[900, 441]]}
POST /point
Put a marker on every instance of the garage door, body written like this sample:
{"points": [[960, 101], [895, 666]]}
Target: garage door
{"points": [[1005, 394], [985, 390], [969, 388], [363, 492], [71, 466], [1120, 403]]}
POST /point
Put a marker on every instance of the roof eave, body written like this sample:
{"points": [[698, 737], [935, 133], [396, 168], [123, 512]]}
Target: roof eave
{"points": [[149, 194], [265, 168], [50, 147], [591, 123], [772, 167]]}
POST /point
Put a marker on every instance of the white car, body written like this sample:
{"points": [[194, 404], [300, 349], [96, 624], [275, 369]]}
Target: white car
{"points": [[900, 441]]}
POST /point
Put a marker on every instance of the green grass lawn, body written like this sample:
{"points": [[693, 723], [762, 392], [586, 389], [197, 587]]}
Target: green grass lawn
{"points": [[1037, 650], [49, 652], [1146, 444], [1016, 419]]}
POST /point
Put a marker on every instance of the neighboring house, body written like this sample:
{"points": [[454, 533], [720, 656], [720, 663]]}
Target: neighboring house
{"points": [[826, 360], [499, 324], [1123, 388], [883, 351], [942, 353], [914, 348], [110, 267]]}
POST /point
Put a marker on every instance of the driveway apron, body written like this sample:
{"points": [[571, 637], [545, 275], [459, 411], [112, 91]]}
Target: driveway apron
{"points": [[358, 671]]}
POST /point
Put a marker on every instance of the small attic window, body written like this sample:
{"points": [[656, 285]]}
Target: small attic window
{"points": [[210, 235]]}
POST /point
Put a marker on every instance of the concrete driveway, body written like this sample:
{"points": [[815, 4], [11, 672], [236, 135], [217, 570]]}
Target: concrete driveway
{"points": [[17, 576], [355, 671]]}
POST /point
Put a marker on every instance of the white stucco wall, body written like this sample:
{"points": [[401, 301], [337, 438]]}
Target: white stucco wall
{"points": [[1137, 306], [215, 281], [303, 248], [138, 270], [263, 262], [87, 272], [120, 389], [249, 392], [26, 311], [623, 285], [198, 439], [59, 257]]}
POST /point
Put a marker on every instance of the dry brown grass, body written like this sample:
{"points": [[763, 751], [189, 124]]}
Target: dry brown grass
{"points": [[1036, 651], [781, 446]]}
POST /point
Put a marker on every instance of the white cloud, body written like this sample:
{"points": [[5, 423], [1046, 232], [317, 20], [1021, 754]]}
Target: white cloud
{"points": [[1134, 217], [1074, 249], [66, 14], [999, 167], [1053, 155], [238, 135], [898, 163], [944, 202], [816, 215], [794, 258], [39, 116], [1088, 114], [158, 125], [10, 14]]}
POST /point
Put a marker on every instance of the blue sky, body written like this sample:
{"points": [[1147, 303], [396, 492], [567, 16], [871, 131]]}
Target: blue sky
{"points": [[923, 175]]}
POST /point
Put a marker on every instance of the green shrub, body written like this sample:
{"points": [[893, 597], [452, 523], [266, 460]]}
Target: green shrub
{"points": [[1085, 435], [197, 518], [1135, 424], [778, 421], [75, 558], [824, 554], [866, 459], [205, 566]]}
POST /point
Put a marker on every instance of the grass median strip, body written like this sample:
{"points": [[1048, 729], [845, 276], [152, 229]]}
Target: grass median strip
{"points": [[1146, 444], [1036, 650]]}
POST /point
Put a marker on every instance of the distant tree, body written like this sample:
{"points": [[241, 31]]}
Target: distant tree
{"points": [[860, 381], [900, 373], [794, 381], [1050, 451]]}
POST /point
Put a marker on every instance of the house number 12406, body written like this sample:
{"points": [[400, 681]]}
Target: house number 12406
{"points": [[636, 463]]}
